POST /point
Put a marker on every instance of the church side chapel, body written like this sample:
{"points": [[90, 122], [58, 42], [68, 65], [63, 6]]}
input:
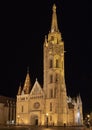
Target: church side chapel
{"points": [[49, 104]]}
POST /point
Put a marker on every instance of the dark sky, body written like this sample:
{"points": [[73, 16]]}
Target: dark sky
{"points": [[23, 28]]}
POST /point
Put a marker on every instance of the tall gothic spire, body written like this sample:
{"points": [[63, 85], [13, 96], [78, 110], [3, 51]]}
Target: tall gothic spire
{"points": [[27, 83], [54, 25]]}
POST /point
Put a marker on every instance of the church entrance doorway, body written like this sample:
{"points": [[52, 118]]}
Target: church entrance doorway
{"points": [[34, 120]]}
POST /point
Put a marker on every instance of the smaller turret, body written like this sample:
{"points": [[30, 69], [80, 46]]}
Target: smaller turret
{"points": [[27, 83], [45, 41], [20, 90], [79, 101]]}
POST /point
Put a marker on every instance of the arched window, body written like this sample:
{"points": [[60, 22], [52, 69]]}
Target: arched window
{"points": [[50, 106], [55, 92], [50, 118], [51, 63], [57, 63], [51, 78]]}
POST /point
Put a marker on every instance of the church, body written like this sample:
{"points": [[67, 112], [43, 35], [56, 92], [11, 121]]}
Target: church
{"points": [[49, 104]]}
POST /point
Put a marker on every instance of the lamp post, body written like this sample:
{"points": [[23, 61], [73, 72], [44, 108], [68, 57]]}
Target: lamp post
{"points": [[88, 120], [47, 119], [18, 118]]}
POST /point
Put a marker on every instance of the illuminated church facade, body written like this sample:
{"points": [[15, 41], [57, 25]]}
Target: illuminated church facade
{"points": [[49, 104]]}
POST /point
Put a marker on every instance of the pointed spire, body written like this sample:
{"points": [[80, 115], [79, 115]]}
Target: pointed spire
{"points": [[79, 98], [45, 38], [54, 25], [19, 91], [27, 83], [45, 41]]}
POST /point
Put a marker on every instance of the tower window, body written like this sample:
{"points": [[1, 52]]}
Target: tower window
{"points": [[51, 64], [57, 63], [50, 106], [52, 38], [51, 78], [50, 118], [55, 92]]}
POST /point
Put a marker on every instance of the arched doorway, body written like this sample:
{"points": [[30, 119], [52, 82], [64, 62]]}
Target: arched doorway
{"points": [[34, 120]]}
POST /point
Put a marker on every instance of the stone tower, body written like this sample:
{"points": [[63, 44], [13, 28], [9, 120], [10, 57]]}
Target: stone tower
{"points": [[54, 79]]}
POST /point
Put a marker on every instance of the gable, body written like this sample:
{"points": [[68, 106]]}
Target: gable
{"points": [[36, 90]]}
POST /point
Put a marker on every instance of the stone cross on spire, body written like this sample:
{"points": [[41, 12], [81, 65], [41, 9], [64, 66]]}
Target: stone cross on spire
{"points": [[54, 25]]}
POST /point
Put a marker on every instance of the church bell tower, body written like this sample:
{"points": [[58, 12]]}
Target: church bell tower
{"points": [[54, 78]]}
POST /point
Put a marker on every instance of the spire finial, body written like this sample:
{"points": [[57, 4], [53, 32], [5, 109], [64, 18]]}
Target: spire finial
{"points": [[54, 25], [54, 8]]}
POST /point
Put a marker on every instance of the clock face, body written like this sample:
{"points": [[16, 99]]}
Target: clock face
{"points": [[36, 105]]}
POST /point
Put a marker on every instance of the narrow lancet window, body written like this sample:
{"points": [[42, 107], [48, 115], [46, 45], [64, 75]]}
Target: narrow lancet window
{"points": [[51, 63], [50, 106], [55, 92], [57, 63]]}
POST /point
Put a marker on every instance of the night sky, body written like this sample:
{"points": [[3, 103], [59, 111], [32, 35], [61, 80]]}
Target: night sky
{"points": [[23, 28]]}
